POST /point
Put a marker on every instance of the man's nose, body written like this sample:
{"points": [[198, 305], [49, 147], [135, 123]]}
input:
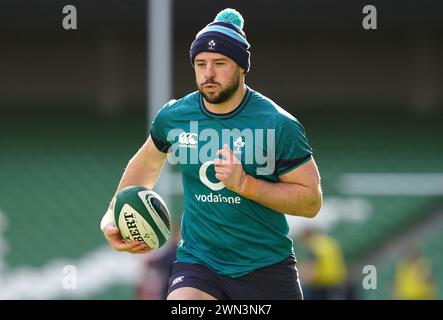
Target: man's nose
{"points": [[210, 71]]}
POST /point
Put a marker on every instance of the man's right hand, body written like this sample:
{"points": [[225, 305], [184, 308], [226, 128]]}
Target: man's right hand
{"points": [[115, 239]]}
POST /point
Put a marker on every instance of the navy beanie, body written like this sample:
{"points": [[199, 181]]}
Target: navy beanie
{"points": [[224, 35]]}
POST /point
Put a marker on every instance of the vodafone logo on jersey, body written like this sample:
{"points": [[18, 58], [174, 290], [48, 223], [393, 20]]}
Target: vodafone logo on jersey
{"points": [[204, 178], [213, 197], [188, 140]]}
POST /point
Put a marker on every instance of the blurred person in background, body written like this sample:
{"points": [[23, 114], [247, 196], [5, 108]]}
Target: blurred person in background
{"points": [[413, 278], [324, 273], [153, 284]]}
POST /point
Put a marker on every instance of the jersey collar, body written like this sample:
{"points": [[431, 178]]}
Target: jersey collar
{"points": [[228, 115]]}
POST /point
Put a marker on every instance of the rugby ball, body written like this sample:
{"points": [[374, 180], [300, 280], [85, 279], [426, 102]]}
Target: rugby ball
{"points": [[142, 215]]}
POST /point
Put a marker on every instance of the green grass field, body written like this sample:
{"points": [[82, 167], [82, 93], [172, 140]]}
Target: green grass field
{"points": [[58, 171]]}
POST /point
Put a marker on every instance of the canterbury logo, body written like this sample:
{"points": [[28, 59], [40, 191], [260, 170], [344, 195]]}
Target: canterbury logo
{"points": [[177, 280], [187, 139], [211, 45]]}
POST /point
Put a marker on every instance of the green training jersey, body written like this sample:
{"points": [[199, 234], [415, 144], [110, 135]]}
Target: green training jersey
{"points": [[222, 230]]}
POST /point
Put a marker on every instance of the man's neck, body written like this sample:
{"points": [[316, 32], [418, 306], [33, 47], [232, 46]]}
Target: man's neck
{"points": [[228, 105]]}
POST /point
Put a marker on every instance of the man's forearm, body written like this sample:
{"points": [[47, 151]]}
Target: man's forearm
{"points": [[137, 173], [289, 198], [142, 170]]}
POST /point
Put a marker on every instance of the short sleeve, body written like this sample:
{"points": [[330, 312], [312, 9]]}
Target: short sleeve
{"points": [[159, 127], [292, 148]]}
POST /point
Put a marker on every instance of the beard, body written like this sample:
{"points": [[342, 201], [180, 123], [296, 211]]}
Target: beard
{"points": [[222, 96]]}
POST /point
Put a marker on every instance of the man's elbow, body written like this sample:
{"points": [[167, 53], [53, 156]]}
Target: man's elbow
{"points": [[312, 205]]}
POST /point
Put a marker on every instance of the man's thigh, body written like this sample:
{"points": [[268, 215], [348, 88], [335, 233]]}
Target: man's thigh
{"points": [[276, 282], [194, 281]]}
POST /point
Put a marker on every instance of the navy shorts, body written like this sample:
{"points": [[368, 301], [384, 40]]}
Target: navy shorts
{"points": [[275, 282]]}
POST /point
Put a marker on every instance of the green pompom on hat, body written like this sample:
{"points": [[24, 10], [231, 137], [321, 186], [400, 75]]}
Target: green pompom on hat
{"points": [[224, 35], [230, 16]]}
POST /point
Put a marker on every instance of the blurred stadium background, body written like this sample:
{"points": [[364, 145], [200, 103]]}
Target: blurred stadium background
{"points": [[73, 110]]}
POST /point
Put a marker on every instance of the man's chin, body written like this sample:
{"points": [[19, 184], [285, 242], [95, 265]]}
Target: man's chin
{"points": [[217, 96], [212, 101], [212, 98]]}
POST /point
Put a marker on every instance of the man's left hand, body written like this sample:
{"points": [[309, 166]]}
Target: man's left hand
{"points": [[229, 170]]}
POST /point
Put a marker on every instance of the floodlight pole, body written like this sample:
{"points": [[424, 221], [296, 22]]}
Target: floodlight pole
{"points": [[159, 84]]}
